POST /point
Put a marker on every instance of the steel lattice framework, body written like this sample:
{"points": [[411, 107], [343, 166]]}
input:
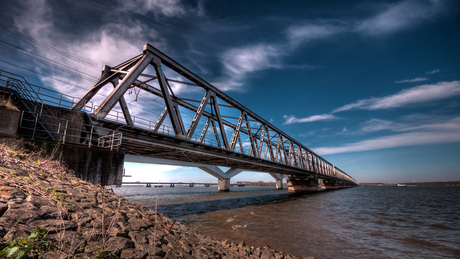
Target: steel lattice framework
{"points": [[264, 140]]}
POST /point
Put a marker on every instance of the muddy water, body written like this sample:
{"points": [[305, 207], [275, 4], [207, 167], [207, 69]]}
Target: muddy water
{"points": [[412, 222]]}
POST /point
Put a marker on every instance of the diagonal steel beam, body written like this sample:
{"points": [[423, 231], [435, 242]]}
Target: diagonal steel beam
{"points": [[156, 62], [259, 150], [124, 106], [160, 120], [236, 132], [105, 78], [205, 129], [269, 142], [199, 112], [123, 86], [251, 138]]}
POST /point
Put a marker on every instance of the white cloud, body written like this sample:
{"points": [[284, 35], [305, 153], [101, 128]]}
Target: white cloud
{"points": [[433, 71], [418, 79], [239, 62], [170, 8], [415, 95], [109, 44], [307, 32], [291, 119], [400, 16], [437, 133], [378, 125]]}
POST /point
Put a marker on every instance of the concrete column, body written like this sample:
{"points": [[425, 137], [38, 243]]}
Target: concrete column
{"points": [[224, 185], [296, 185], [279, 180], [330, 185], [279, 184]]}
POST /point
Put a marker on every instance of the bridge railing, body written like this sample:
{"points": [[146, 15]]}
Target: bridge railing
{"points": [[147, 125], [68, 131], [39, 94]]}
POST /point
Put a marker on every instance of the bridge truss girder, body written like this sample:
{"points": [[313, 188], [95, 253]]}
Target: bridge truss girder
{"points": [[265, 141]]}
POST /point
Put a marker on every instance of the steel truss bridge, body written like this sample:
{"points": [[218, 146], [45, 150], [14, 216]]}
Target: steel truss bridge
{"points": [[195, 124], [225, 127]]}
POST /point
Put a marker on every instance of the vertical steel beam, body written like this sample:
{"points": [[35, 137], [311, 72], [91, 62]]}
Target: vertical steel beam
{"points": [[219, 120], [269, 143], [179, 118], [156, 62], [285, 155], [259, 150], [199, 112], [251, 138], [290, 153], [278, 151], [216, 133], [241, 145]]}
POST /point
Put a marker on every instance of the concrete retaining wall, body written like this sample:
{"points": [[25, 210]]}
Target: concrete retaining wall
{"points": [[9, 121]]}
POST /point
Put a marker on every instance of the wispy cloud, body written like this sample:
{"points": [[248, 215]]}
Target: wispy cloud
{"points": [[169, 8], [307, 32], [239, 62], [437, 133], [411, 96], [402, 15], [437, 70], [418, 79], [291, 119], [378, 125]]}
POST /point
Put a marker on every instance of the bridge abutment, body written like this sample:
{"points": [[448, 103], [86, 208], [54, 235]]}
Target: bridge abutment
{"points": [[300, 185], [224, 184]]}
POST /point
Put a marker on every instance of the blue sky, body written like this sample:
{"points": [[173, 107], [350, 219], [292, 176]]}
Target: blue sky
{"points": [[372, 86]]}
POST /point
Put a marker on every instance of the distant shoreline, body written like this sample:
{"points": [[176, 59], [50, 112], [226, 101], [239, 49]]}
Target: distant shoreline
{"points": [[451, 183]]}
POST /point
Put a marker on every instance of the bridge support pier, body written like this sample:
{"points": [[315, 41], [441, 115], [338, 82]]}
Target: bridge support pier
{"points": [[279, 184], [300, 185], [224, 185], [331, 185], [279, 180]]}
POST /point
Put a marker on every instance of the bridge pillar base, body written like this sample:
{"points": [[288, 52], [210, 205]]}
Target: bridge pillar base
{"points": [[224, 185], [331, 185], [279, 184], [302, 185]]}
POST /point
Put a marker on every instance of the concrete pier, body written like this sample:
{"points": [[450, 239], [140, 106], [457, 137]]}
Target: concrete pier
{"points": [[223, 185], [279, 184], [331, 185], [299, 185]]}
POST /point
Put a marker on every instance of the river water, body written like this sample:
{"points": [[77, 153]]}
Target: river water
{"points": [[379, 222]]}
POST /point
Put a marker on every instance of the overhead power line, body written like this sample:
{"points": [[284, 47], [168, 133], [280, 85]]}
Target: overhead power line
{"points": [[48, 47]]}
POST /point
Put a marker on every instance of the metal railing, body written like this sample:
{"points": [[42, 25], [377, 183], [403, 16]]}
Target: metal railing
{"points": [[68, 131], [110, 140], [40, 94]]}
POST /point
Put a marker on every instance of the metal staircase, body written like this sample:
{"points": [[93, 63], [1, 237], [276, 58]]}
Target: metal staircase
{"points": [[36, 115]]}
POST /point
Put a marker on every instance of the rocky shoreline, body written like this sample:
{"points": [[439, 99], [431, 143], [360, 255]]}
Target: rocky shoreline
{"points": [[46, 212]]}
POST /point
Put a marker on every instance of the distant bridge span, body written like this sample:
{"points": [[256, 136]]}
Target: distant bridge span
{"points": [[226, 128]]}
